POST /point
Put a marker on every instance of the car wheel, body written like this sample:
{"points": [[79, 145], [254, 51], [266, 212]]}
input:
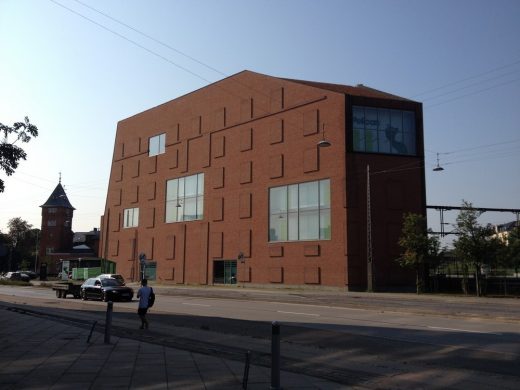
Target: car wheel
{"points": [[58, 294], [83, 295], [105, 297]]}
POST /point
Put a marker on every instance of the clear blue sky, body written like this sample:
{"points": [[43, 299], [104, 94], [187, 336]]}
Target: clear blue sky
{"points": [[76, 78]]}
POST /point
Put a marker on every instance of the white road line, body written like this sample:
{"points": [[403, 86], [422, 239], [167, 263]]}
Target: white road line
{"points": [[195, 304], [462, 330], [300, 314]]}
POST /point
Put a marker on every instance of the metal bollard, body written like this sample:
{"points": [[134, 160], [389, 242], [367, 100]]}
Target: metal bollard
{"points": [[108, 321], [275, 356]]}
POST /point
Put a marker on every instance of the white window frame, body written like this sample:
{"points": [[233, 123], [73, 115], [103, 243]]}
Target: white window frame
{"points": [[131, 217], [157, 145]]}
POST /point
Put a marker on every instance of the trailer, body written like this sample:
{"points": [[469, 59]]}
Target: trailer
{"points": [[73, 275], [64, 288]]}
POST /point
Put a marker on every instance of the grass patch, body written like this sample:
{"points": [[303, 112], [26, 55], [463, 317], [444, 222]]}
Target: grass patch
{"points": [[6, 282]]}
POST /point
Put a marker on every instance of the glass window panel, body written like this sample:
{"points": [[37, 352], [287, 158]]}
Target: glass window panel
{"points": [[200, 207], [153, 146], [409, 142], [162, 143], [309, 225], [278, 228], [309, 195], [371, 141], [171, 212], [135, 221], [384, 142], [359, 140], [293, 226], [384, 118], [358, 117], [293, 197], [180, 211], [396, 119], [408, 121], [190, 185], [278, 199], [171, 189], [181, 188], [324, 193], [325, 224], [200, 184], [190, 209], [371, 122]]}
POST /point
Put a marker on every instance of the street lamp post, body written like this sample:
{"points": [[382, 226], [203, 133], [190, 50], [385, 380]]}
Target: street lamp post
{"points": [[370, 264]]}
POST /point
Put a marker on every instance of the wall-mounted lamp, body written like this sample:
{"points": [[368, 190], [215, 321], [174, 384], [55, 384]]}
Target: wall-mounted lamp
{"points": [[438, 167], [324, 143]]}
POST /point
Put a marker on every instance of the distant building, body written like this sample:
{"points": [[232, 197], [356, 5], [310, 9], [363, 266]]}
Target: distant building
{"points": [[57, 240], [502, 231], [258, 180]]}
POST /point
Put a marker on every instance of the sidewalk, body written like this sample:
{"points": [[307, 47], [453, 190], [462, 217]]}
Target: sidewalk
{"points": [[40, 353]]}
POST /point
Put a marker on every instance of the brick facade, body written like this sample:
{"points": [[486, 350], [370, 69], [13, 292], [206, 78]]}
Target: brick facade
{"points": [[246, 134]]}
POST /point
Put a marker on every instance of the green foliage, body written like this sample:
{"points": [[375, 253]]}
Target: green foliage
{"points": [[10, 153], [21, 242], [420, 249], [512, 249], [476, 245]]}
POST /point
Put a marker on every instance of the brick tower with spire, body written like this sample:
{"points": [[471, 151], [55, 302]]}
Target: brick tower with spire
{"points": [[56, 230]]}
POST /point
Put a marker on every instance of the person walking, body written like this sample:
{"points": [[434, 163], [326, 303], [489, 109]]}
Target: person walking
{"points": [[144, 295]]}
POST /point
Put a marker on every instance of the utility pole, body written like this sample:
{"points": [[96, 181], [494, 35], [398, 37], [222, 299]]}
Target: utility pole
{"points": [[370, 278]]}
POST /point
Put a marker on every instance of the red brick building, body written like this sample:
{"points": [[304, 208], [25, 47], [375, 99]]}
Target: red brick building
{"points": [[230, 184], [56, 229]]}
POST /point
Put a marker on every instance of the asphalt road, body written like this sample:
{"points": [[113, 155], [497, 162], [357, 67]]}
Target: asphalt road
{"points": [[356, 339]]}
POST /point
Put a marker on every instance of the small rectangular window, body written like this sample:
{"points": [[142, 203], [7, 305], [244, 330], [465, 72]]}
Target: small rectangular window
{"points": [[157, 145], [131, 218]]}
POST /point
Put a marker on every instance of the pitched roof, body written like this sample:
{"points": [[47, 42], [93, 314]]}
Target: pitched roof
{"points": [[58, 198], [358, 90]]}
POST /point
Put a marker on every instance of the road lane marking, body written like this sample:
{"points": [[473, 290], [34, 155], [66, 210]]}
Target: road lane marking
{"points": [[462, 330], [300, 314], [195, 304]]}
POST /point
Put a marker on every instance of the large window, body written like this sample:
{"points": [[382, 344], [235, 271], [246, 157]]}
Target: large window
{"points": [[131, 218], [381, 130], [185, 198], [157, 145], [300, 211]]}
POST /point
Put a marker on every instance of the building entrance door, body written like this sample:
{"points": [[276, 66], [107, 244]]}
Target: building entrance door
{"points": [[225, 272]]}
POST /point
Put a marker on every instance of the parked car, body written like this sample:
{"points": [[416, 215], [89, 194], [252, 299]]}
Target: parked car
{"points": [[17, 276], [105, 289], [31, 274], [113, 276]]}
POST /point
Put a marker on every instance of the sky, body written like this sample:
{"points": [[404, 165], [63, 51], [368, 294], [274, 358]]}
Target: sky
{"points": [[76, 68]]}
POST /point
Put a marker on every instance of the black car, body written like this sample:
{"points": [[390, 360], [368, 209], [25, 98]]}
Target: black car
{"points": [[105, 289], [17, 276]]}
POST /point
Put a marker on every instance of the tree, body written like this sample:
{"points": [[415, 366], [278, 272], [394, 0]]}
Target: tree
{"points": [[10, 153], [17, 235], [475, 245], [420, 249], [512, 249]]}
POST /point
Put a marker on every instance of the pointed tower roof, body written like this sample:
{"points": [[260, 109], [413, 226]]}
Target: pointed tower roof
{"points": [[58, 198]]}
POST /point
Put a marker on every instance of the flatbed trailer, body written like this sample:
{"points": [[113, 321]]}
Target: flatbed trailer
{"points": [[64, 288]]}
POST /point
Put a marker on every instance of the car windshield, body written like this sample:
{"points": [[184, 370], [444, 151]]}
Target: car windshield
{"points": [[110, 282]]}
